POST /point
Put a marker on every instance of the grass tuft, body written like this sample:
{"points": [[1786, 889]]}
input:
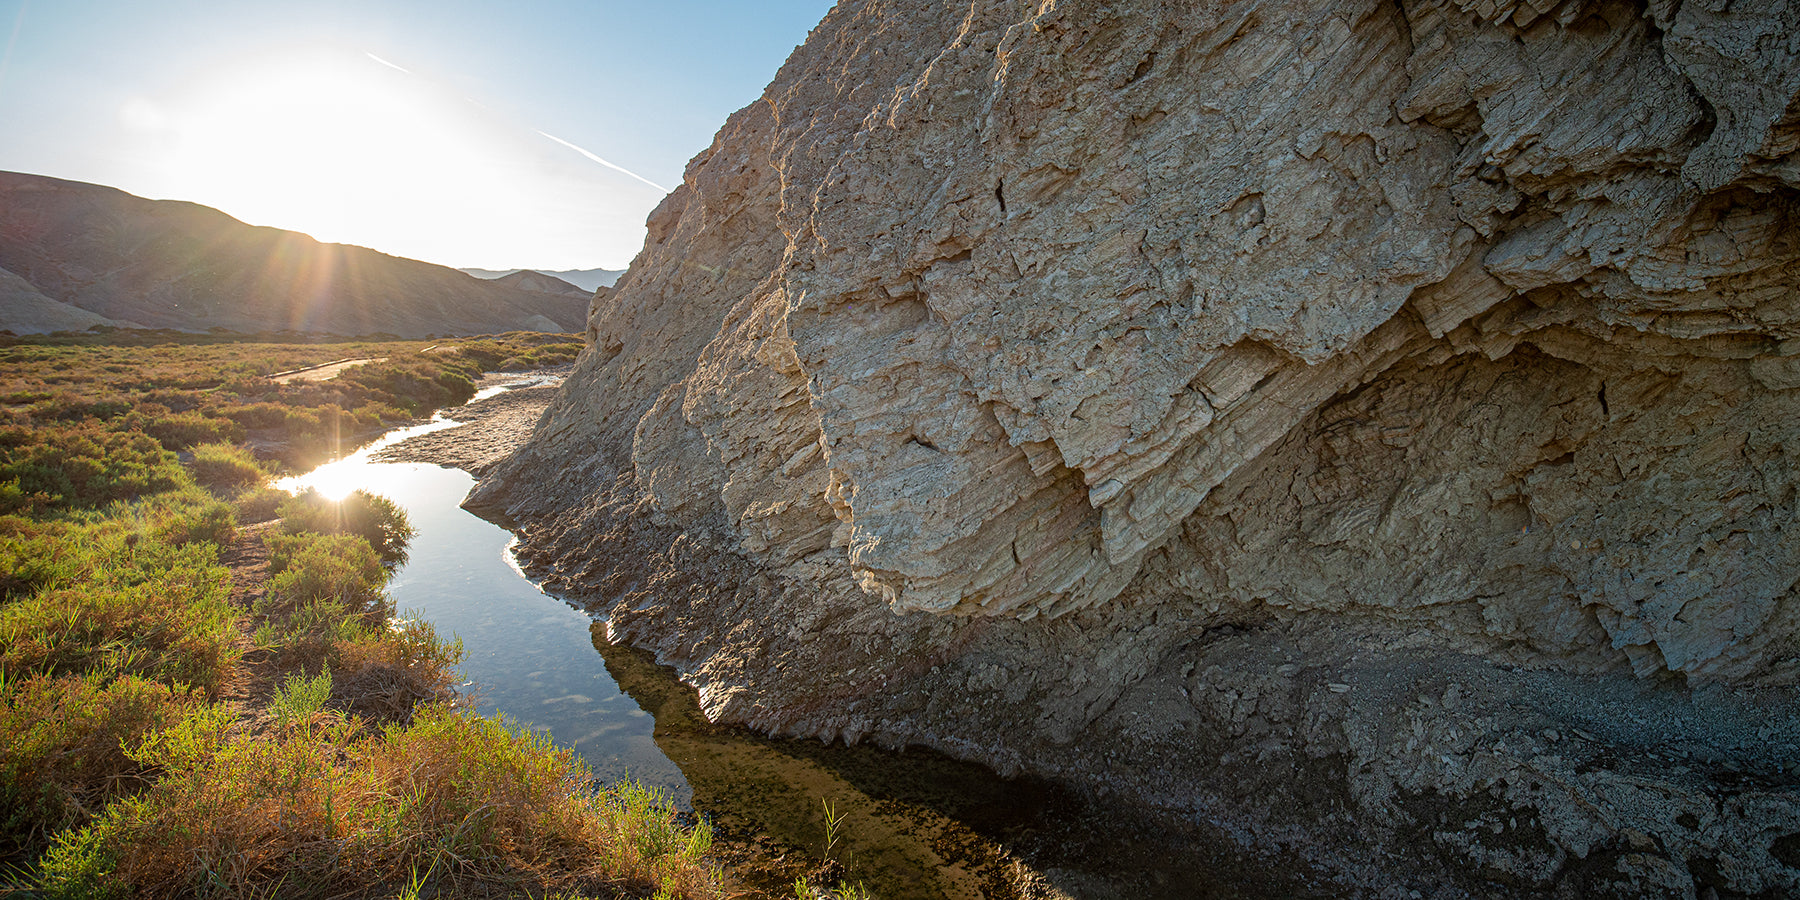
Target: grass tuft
{"points": [[465, 799], [375, 519], [299, 697], [226, 466]]}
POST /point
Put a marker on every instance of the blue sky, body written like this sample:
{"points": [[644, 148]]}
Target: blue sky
{"points": [[459, 132]]}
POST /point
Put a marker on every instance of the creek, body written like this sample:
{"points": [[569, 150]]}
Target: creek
{"points": [[907, 825]]}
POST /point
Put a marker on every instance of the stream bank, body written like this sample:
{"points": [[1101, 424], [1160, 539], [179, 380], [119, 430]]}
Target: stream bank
{"points": [[911, 823]]}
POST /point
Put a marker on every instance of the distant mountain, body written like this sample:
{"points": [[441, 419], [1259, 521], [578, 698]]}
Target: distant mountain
{"points": [[586, 279], [25, 310], [76, 251], [527, 280]]}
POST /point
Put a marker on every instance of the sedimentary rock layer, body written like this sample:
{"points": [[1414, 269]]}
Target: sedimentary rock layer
{"points": [[1012, 368]]}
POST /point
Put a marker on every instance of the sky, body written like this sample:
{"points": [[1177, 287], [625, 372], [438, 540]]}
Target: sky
{"points": [[528, 134]]}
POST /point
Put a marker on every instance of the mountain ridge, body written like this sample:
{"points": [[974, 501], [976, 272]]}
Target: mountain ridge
{"points": [[182, 265], [586, 279]]}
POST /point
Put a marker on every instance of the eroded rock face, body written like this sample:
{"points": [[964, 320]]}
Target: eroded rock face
{"points": [[1004, 354]]}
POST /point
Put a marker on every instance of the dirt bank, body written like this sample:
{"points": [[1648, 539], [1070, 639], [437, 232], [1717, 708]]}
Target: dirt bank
{"points": [[491, 426]]}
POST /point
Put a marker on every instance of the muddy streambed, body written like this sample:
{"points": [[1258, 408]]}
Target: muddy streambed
{"points": [[906, 825]]}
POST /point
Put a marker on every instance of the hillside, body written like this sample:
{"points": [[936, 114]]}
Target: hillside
{"points": [[165, 264], [527, 280], [586, 279], [1367, 426]]}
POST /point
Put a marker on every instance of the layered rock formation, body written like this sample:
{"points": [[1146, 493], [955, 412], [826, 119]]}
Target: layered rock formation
{"points": [[1368, 424], [92, 255]]}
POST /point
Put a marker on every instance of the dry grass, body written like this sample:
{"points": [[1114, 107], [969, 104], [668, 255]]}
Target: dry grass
{"points": [[186, 390], [327, 807], [159, 738]]}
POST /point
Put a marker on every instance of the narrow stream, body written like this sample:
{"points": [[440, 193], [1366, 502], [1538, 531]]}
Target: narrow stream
{"points": [[911, 825], [528, 654]]}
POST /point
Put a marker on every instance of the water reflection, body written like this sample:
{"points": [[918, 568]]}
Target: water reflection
{"points": [[920, 825], [915, 824], [528, 654]]}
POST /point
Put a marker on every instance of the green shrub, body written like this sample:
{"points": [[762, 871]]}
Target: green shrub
{"points": [[63, 750], [14, 499], [258, 415], [355, 809], [214, 522], [259, 504], [131, 607], [325, 592], [86, 466], [299, 697], [226, 466], [31, 560], [338, 567], [180, 431], [375, 519]]}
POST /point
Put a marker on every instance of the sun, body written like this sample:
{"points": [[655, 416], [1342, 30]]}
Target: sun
{"points": [[346, 147]]}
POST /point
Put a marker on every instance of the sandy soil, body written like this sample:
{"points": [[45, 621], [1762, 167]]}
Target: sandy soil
{"points": [[491, 428]]}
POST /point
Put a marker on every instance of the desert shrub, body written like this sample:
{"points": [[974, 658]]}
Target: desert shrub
{"points": [[258, 415], [374, 518], [299, 697], [414, 383], [346, 808], [555, 354], [175, 630], [86, 466], [213, 522], [485, 353], [226, 466], [64, 747], [64, 406], [383, 672], [259, 504], [179, 431], [309, 567]]}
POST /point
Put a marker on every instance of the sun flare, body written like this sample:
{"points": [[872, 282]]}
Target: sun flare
{"points": [[349, 147]]}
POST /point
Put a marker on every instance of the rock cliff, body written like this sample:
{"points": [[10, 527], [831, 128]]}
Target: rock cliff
{"points": [[1369, 425]]}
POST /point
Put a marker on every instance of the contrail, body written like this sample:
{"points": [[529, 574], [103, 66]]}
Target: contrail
{"points": [[18, 23], [603, 162], [386, 63], [581, 150]]}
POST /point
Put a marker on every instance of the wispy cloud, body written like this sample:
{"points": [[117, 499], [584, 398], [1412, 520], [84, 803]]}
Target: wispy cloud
{"points": [[386, 63], [596, 158]]}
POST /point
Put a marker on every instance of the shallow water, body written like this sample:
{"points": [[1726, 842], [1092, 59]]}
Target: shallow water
{"points": [[528, 654], [910, 825]]}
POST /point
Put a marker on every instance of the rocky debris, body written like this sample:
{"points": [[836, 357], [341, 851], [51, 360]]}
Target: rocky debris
{"points": [[1011, 379], [488, 429], [120, 259]]}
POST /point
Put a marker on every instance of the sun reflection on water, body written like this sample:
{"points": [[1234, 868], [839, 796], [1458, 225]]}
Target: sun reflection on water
{"points": [[336, 480]]}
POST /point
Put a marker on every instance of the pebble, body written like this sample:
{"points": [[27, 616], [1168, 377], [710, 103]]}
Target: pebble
{"points": [[1338, 687]]}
